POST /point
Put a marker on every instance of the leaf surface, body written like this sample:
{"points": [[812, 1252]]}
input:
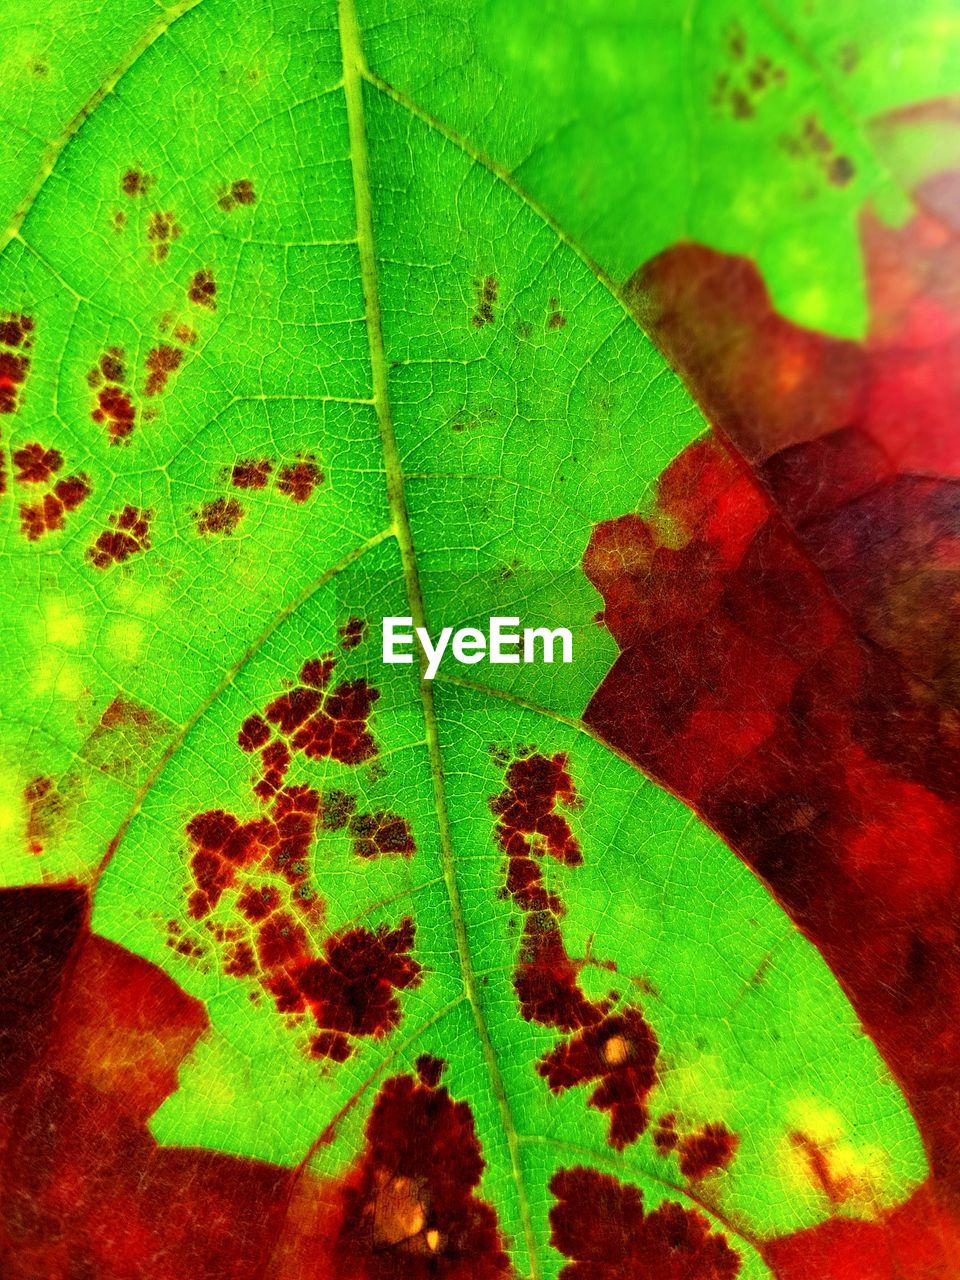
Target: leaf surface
{"points": [[281, 357]]}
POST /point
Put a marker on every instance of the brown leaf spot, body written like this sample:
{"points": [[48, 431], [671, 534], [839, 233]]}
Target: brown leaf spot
{"points": [[128, 536], [218, 517]]}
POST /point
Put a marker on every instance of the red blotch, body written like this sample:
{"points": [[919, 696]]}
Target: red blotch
{"points": [[136, 183], [48, 514], [919, 1240], [381, 834], [621, 1052], [128, 536], [254, 733], [706, 1151], [15, 342], [203, 290], [408, 1210], [92, 1041], [34, 464], [352, 633], [788, 618], [600, 1224], [430, 1069], [251, 474], [547, 981], [218, 517], [297, 480], [240, 192], [162, 361]]}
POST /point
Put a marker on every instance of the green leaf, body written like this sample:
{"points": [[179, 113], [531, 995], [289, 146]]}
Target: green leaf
{"points": [[638, 125], [303, 357]]}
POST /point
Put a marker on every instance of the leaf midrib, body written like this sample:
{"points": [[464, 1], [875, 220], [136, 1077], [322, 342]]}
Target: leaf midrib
{"points": [[354, 74]]}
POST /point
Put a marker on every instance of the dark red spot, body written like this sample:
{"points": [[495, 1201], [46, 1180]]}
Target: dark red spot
{"points": [[136, 183], [251, 474], [408, 1210], [299, 479], [162, 361], [220, 516], [34, 464], [430, 1069], [352, 633], [333, 1045], [600, 1224], [316, 672], [240, 192], [48, 514], [486, 292], [381, 834], [15, 340], [254, 732], [352, 988], [162, 229], [528, 825], [547, 981], [621, 1052], [706, 1150], [665, 1136], [128, 536], [115, 408], [203, 290]]}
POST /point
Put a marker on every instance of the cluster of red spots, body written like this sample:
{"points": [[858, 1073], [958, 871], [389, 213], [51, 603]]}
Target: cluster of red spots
{"points": [[94, 1037], [486, 291], [788, 618], [136, 183], [278, 840], [239, 192], [297, 480], [601, 1225], [348, 983], [409, 1209], [162, 230], [162, 361], [621, 1053], [352, 633], [113, 404], [252, 473], [529, 826], [16, 339], [619, 1050], [35, 464], [322, 722], [374, 835], [128, 535], [700, 1152], [202, 290], [219, 516]]}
